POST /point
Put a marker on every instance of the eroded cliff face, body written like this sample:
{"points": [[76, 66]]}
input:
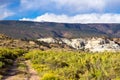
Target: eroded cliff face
{"points": [[91, 44], [101, 45]]}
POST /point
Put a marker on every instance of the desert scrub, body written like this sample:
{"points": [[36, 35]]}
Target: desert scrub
{"points": [[50, 76], [1, 77], [10, 53], [22, 66], [7, 57], [1, 64], [72, 65]]}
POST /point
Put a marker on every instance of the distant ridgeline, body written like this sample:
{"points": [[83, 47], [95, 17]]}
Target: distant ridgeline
{"points": [[35, 30]]}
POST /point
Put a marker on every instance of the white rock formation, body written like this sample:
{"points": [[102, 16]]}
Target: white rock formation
{"points": [[78, 43], [94, 44], [48, 40], [100, 45]]}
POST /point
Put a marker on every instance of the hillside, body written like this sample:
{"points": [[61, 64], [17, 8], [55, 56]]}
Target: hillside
{"points": [[34, 30], [27, 60]]}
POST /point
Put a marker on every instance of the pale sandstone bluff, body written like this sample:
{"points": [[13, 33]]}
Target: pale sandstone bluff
{"points": [[91, 44]]}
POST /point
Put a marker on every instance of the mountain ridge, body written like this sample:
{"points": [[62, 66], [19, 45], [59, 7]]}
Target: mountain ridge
{"points": [[35, 30]]}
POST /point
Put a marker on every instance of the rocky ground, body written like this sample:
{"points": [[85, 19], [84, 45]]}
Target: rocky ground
{"points": [[90, 44], [19, 72]]}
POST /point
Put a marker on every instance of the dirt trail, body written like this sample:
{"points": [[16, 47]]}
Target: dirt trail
{"points": [[14, 74], [32, 73]]}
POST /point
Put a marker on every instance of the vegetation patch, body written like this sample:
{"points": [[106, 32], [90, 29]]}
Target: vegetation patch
{"points": [[7, 57], [69, 65]]}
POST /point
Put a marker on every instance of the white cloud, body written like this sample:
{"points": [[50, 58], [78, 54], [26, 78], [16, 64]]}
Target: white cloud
{"points": [[67, 5], [33, 4], [71, 6], [95, 11], [4, 12], [81, 18], [78, 5]]}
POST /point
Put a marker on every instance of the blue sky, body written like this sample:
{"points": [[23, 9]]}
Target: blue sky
{"points": [[70, 11]]}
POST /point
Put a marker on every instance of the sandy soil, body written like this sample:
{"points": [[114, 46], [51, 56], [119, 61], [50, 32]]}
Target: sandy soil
{"points": [[14, 74]]}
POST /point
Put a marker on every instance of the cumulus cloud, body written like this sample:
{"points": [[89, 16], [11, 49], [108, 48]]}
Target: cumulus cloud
{"points": [[81, 4], [4, 12], [34, 5], [81, 18], [71, 6], [66, 5]]}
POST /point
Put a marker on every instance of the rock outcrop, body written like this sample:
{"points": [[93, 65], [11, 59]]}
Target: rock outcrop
{"points": [[91, 44], [101, 45]]}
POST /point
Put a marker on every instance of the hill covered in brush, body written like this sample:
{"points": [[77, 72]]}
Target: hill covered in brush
{"points": [[34, 30]]}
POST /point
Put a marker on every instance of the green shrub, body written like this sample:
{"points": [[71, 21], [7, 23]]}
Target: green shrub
{"points": [[1, 64], [22, 66], [72, 65], [1, 77], [7, 56], [50, 76]]}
